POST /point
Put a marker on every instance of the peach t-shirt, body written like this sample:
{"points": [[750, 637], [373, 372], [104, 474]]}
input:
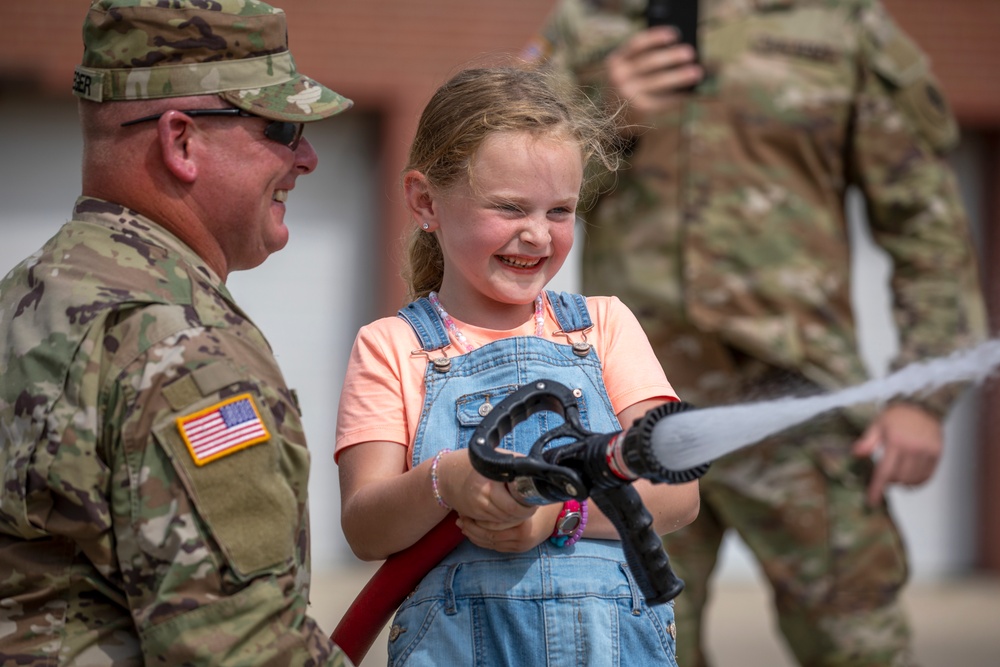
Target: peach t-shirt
{"points": [[383, 391]]}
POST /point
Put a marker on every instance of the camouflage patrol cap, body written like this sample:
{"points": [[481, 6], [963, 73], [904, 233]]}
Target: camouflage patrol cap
{"points": [[237, 49]]}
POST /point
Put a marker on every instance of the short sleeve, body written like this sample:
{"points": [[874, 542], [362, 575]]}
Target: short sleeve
{"points": [[380, 397]]}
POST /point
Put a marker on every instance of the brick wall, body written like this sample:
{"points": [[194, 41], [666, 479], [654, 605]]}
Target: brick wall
{"points": [[961, 37]]}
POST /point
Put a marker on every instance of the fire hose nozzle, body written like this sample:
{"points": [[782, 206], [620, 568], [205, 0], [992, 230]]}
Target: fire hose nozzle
{"points": [[601, 466], [636, 454]]}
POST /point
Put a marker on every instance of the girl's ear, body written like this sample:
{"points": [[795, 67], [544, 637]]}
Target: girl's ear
{"points": [[420, 200], [175, 132]]}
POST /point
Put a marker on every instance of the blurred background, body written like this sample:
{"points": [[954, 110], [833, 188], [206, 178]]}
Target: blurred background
{"points": [[340, 269]]}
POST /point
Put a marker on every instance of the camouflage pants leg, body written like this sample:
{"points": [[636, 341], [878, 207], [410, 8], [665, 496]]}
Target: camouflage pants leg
{"points": [[835, 565]]}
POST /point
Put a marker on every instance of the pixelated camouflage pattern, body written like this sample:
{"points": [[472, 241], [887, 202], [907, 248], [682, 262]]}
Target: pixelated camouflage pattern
{"points": [[801, 100], [147, 49], [115, 549]]}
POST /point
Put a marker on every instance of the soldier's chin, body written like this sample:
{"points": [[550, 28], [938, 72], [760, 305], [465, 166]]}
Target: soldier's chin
{"points": [[278, 238]]}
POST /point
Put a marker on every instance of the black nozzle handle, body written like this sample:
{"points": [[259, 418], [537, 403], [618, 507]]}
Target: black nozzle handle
{"points": [[644, 553], [557, 482]]}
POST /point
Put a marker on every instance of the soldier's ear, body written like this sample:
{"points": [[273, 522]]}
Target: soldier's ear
{"points": [[176, 134]]}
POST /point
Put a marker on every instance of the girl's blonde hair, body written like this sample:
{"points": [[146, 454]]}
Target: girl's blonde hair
{"points": [[470, 107]]}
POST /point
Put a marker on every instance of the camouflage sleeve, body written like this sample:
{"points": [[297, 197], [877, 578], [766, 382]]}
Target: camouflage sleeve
{"points": [[209, 469], [903, 129]]}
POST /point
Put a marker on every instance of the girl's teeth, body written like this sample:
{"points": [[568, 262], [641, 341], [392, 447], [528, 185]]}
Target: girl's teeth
{"points": [[280, 196], [520, 265]]}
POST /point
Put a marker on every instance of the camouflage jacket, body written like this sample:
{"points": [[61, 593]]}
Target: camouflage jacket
{"points": [[728, 229], [154, 465]]}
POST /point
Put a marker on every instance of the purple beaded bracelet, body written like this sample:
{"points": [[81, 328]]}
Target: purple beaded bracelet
{"points": [[434, 480]]}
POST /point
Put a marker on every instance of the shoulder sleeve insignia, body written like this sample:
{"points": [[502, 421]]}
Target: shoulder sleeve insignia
{"points": [[222, 429]]}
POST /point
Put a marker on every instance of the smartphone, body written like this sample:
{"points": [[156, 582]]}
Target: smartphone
{"points": [[681, 14]]}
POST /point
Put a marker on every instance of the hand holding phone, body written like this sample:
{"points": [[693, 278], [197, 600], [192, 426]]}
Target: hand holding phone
{"points": [[652, 70]]}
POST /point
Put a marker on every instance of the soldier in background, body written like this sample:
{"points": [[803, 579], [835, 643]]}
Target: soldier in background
{"points": [[153, 507], [727, 237]]}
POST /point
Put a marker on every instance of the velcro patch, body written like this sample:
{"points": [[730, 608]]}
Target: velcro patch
{"points": [[816, 51], [222, 429]]}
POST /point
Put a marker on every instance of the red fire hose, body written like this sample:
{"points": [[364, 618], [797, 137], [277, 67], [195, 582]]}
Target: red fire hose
{"points": [[389, 586]]}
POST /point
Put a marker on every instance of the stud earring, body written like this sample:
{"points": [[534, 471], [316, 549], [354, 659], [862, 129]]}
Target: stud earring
{"points": [[425, 226]]}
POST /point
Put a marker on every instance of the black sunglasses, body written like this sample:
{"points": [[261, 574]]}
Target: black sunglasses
{"points": [[285, 133]]}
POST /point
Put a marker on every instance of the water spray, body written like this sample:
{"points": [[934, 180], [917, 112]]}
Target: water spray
{"points": [[689, 440]]}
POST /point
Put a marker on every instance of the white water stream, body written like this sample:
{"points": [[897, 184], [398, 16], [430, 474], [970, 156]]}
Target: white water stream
{"points": [[688, 439]]}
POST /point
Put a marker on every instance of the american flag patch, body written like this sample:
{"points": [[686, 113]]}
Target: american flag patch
{"points": [[222, 429]]}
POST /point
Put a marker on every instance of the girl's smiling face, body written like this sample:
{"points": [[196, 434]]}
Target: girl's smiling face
{"points": [[507, 233]]}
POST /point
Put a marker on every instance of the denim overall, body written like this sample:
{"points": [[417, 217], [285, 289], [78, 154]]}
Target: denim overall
{"points": [[559, 607]]}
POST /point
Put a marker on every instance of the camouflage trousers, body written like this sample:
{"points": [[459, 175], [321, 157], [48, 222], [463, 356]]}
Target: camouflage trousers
{"points": [[835, 565]]}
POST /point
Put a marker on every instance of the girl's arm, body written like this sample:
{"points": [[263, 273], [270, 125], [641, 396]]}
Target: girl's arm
{"points": [[386, 508], [383, 507]]}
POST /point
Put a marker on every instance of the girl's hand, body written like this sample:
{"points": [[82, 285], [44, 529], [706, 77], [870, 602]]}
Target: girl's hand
{"points": [[512, 537], [476, 497]]}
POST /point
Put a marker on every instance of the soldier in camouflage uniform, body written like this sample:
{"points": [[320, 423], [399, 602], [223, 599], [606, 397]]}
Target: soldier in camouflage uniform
{"points": [[727, 237], [154, 503]]}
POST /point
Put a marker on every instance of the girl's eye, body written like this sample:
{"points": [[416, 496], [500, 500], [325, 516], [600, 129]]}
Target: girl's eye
{"points": [[508, 207]]}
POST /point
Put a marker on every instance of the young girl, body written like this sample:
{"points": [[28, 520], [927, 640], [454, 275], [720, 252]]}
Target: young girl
{"points": [[494, 178]]}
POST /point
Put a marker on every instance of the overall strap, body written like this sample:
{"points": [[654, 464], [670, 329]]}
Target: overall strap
{"points": [[571, 310], [426, 323]]}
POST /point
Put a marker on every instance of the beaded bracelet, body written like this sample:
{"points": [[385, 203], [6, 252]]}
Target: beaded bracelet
{"points": [[434, 479]]}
